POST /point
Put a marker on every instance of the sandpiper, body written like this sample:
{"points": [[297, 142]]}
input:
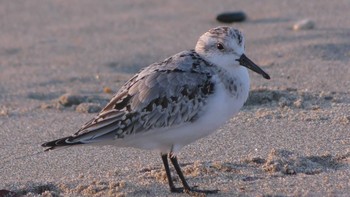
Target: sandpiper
{"points": [[172, 103]]}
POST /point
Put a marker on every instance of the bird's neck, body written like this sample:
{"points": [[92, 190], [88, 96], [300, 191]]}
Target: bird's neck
{"points": [[235, 80]]}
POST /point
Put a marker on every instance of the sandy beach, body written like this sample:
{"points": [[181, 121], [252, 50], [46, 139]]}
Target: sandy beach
{"points": [[292, 137]]}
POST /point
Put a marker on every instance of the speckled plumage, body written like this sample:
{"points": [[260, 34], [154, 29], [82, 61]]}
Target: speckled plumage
{"points": [[162, 95]]}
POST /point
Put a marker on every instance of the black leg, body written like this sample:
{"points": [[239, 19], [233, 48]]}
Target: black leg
{"points": [[167, 170], [168, 174], [176, 165], [187, 188]]}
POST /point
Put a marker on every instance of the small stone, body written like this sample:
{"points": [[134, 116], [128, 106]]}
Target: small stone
{"points": [[230, 17], [107, 90], [304, 25], [71, 99], [88, 108]]}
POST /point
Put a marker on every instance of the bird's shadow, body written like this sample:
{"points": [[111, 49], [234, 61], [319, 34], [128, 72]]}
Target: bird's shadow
{"points": [[32, 189], [276, 164]]}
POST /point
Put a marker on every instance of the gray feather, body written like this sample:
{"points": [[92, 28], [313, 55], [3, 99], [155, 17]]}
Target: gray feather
{"points": [[164, 94]]}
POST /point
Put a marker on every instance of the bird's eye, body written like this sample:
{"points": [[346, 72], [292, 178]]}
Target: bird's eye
{"points": [[220, 46]]}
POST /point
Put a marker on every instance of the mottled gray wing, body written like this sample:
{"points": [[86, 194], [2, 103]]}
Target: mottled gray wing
{"points": [[164, 94]]}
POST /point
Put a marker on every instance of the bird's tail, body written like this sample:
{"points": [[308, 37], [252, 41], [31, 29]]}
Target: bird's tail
{"points": [[62, 142]]}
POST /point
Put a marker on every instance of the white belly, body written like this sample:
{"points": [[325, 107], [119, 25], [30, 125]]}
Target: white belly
{"points": [[221, 107]]}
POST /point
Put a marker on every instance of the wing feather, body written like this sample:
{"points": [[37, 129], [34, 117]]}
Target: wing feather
{"points": [[164, 94]]}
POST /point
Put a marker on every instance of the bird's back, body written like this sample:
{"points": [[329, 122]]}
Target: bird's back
{"points": [[163, 95]]}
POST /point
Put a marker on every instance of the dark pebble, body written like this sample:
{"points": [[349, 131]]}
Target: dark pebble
{"points": [[230, 17]]}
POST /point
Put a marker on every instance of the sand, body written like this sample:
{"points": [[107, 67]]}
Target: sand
{"points": [[292, 138]]}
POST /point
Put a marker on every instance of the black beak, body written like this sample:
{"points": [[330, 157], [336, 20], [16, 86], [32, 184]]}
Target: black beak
{"points": [[246, 62]]}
